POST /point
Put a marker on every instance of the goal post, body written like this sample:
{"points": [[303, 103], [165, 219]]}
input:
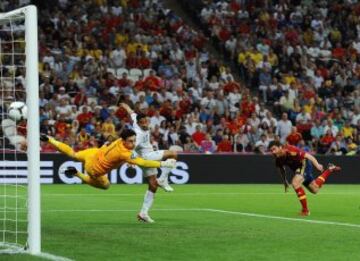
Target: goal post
{"points": [[28, 14], [33, 151]]}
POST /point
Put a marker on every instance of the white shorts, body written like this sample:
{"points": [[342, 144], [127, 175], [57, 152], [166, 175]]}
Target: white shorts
{"points": [[153, 155]]}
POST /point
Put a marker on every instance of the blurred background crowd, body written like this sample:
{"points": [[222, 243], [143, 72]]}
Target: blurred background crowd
{"points": [[288, 71]]}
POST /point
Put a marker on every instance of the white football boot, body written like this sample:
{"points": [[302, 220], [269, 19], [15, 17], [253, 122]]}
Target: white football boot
{"points": [[165, 185], [144, 217]]}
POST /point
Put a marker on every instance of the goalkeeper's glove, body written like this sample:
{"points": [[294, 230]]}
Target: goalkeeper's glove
{"points": [[169, 163]]}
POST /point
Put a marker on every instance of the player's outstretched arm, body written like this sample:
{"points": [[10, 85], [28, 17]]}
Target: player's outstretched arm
{"points": [[127, 108], [314, 161], [131, 113], [170, 163]]}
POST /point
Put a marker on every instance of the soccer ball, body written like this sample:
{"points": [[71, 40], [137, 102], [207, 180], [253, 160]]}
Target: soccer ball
{"points": [[17, 111]]}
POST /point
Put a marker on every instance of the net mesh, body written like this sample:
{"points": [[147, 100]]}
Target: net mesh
{"points": [[13, 164]]}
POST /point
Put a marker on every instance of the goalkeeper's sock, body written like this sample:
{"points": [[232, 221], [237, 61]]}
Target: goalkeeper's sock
{"points": [[62, 147], [322, 178], [300, 192], [148, 201]]}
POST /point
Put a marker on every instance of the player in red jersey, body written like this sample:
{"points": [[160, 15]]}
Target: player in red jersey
{"points": [[301, 163]]}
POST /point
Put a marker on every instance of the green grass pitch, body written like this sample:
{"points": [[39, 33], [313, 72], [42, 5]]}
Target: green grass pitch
{"points": [[199, 222]]}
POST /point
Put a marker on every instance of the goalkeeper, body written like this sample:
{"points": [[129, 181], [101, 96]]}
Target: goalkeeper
{"points": [[99, 161]]}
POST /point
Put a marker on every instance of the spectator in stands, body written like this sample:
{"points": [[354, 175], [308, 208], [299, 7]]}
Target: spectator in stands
{"points": [[302, 145], [294, 137], [262, 145], [241, 141], [348, 131], [331, 127], [253, 137], [108, 128], [326, 141], [198, 136], [190, 146], [207, 145], [338, 146], [310, 74], [225, 145], [284, 127]]}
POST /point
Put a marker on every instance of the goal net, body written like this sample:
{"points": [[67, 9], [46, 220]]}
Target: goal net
{"points": [[19, 138]]}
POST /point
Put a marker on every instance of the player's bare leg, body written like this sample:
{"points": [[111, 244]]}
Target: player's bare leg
{"points": [[313, 187], [101, 182], [163, 180], [300, 192], [148, 200], [316, 184]]}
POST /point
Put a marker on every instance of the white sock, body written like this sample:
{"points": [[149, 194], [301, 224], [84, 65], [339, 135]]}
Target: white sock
{"points": [[164, 173], [148, 200]]}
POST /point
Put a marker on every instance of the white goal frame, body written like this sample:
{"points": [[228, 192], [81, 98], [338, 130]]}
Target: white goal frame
{"points": [[33, 130]]}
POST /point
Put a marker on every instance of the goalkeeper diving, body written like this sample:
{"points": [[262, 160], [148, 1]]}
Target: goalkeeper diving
{"points": [[100, 161]]}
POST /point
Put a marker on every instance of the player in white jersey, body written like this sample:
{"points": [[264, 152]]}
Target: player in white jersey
{"points": [[143, 148]]}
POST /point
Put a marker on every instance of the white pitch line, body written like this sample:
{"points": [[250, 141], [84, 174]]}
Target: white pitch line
{"points": [[186, 194], [305, 220], [120, 210], [12, 249], [111, 210], [53, 257]]}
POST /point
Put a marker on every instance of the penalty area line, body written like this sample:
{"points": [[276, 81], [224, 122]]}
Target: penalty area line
{"points": [[304, 220]]}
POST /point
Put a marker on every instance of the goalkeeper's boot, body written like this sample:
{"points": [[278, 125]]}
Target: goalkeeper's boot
{"points": [[165, 185], [44, 137], [69, 171], [333, 167], [304, 212], [144, 217]]}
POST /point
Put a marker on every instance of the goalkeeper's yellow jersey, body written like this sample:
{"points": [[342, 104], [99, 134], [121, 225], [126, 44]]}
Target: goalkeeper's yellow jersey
{"points": [[114, 155]]}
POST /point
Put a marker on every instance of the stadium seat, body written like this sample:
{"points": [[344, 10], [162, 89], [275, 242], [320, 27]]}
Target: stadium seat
{"points": [[133, 78], [92, 99], [120, 71], [146, 72], [136, 72], [111, 70]]}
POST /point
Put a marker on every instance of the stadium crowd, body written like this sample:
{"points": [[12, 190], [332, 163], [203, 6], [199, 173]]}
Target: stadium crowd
{"points": [[298, 60], [302, 58]]}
